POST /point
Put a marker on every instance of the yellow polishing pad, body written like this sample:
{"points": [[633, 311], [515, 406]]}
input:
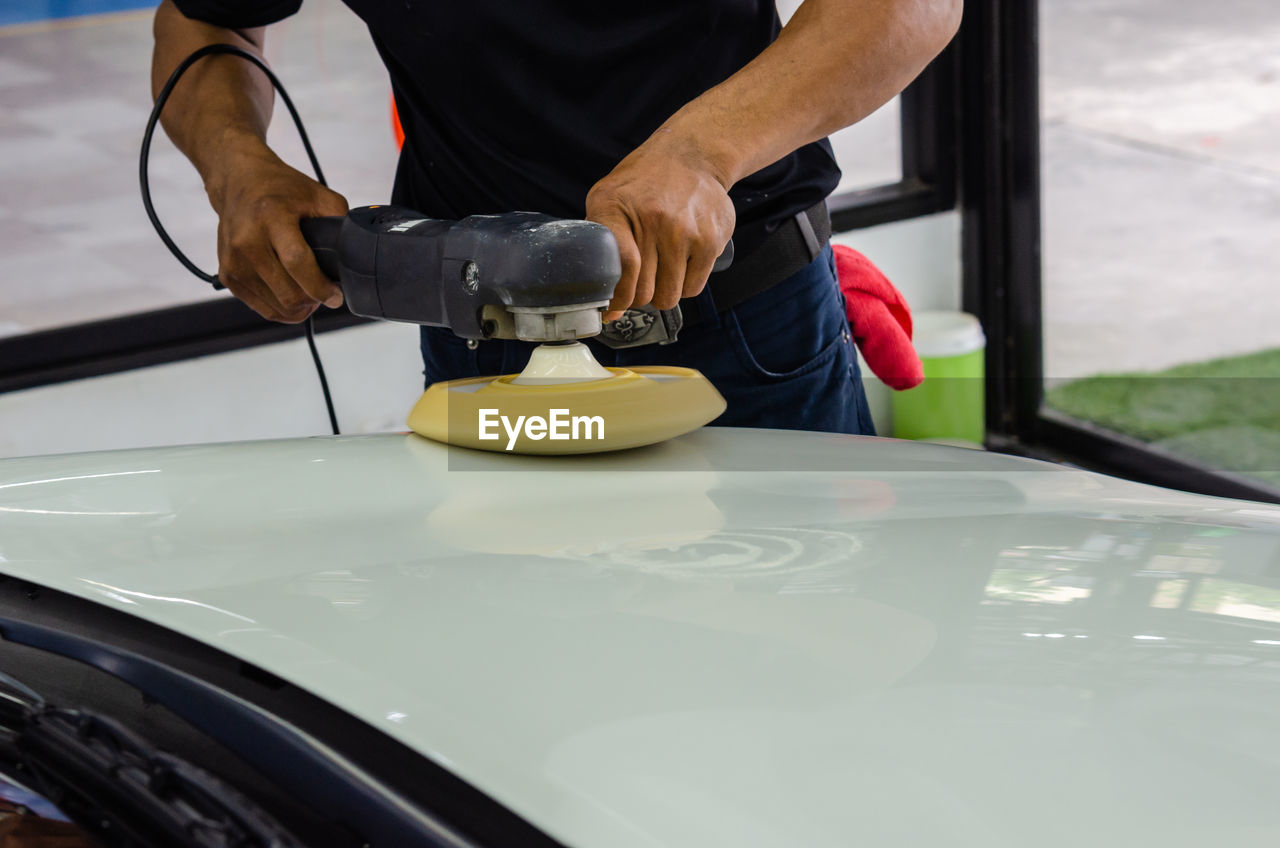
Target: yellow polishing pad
{"points": [[629, 408]]}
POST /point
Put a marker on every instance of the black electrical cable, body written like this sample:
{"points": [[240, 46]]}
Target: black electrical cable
{"points": [[145, 181], [324, 383]]}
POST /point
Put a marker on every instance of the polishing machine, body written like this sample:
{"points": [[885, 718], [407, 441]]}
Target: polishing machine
{"points": [[517, 275]]}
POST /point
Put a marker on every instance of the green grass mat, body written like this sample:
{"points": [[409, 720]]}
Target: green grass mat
{"points": [[1224, 413]]}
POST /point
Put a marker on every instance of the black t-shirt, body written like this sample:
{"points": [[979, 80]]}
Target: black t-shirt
{"points": [[524, 104]]}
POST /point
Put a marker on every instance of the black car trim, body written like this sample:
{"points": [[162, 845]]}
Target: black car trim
{"points": [[267, 722], [114, 784]]}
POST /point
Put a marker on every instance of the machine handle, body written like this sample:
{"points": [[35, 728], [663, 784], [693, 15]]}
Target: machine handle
{"points": [[322, 236]]}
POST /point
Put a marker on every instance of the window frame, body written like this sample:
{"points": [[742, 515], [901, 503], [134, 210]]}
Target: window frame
{"points": [[1000, 200]]}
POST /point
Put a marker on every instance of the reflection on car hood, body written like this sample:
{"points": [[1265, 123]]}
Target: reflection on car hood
{"points": [[753, 638]]}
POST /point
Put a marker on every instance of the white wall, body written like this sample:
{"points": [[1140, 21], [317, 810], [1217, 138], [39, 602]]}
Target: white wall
{"points": [[920, 256], [262, 392], [374, 371]]}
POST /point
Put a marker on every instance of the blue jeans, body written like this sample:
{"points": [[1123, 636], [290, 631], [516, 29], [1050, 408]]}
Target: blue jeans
{"points": [[783, 359]]}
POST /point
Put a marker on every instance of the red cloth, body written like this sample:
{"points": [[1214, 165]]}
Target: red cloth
{"points": [[880, 319]]}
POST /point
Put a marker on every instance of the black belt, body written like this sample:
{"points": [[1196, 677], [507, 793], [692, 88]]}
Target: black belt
{"points": [[794, 244]]}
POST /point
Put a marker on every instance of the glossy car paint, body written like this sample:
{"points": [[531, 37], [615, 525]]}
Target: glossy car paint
{"points": [[750, 638]]}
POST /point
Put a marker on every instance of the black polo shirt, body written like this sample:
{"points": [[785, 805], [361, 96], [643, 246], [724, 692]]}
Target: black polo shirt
{"points": [[524, 104]]}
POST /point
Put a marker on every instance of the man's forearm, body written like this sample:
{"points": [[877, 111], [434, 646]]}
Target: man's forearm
{"points": [[217, 115], [834, 63], [220, 109]]}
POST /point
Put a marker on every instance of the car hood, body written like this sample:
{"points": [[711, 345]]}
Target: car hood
{"points": [[742, 637]]}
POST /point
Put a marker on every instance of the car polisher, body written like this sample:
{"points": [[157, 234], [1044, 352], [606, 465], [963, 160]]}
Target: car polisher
{"points": [[517, 275]]}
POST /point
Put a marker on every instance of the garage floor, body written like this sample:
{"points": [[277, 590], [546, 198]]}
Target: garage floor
{"points": [[1161, 182], [1161, 145]]}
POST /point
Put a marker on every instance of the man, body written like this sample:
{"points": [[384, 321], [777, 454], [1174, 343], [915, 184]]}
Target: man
{"points": [[678, 124]]}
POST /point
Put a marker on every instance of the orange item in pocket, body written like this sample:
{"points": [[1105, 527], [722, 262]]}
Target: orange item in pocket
{"points": [[396, 129]]}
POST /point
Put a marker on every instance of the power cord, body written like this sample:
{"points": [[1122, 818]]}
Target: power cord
{"points": [[145, 181]]}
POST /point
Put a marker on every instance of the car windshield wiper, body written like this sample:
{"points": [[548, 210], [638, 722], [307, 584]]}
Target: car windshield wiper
{"points": [[119, 788]]}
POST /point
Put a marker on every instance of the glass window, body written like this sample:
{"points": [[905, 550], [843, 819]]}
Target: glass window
{"points": [[870, 152], [76, 244], [1161, 192]]}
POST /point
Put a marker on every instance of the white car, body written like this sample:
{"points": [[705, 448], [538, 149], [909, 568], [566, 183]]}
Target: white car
{"points": [[737, 638]]}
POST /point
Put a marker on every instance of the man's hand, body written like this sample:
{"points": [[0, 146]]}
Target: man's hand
{"points": [[218, 116], [262, 257], [667, 203], [672, 218]]}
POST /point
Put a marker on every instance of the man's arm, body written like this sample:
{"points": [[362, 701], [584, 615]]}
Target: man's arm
{"points": [[218, 115], [835, 62]]}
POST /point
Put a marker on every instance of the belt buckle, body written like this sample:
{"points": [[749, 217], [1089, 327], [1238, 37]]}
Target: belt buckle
{"points": [[643, 325]]}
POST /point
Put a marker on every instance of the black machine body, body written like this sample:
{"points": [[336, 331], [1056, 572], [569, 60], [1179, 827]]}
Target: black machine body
{"points": [[518, 275], [476, 276]]}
